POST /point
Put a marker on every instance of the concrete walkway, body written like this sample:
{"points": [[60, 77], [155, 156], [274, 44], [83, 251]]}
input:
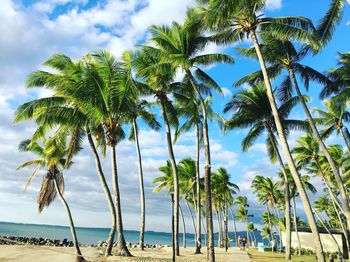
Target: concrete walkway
{"points": [[239, 255]]}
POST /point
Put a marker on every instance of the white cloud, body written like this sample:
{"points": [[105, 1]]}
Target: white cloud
{"points": [[226, 92], [273, 4]]}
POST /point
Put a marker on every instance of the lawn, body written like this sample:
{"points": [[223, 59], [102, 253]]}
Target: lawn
{"points": [[275, 257]]}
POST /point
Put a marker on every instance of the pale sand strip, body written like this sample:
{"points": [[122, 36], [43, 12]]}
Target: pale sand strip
{"points": [[64, 254]]}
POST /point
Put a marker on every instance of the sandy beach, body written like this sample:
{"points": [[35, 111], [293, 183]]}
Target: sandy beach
{"points": [[65, 254]]}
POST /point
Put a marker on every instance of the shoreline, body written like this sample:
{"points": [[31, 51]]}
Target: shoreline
{"points": [[25, 253], [39, 241]]}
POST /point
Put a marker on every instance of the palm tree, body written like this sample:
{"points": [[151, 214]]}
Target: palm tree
{"points": [[167, 182], [283, 55], [251, 109], [242, 18], [242, 212], [61, 110], [188, 186], [222, 191], [51, 156], [305, 180], [339, 86], [267, 192], [333, 118], [180, 45], [158, 79], [251, 229], [139, 110], [189, 107], [307, 154]]}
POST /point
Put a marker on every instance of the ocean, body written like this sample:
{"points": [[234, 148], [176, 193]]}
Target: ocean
{"points": [[90, 236]]}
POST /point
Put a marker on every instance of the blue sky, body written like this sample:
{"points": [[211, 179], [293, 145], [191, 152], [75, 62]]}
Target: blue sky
{"points": [[34, 30]]}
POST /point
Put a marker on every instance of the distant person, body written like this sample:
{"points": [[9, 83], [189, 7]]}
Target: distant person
{"points": [[244, 242], [239, 242], [331, 257]]}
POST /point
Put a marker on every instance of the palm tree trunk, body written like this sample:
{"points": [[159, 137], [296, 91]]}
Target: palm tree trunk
{"points": [[288, 255], [79, 256], [279, 227], [270, 225], [107, 194], [324, 149], [183, 228], [205, 233], [340, 222], [328, 186], [345, 140], [193, 223], [253, 233], [225, 228], [207, 174], [198, 198], [141, 185], [286, 149], [234, 226], [176, 179], [296, 226], [122, 249], [219, 226], [329, 232], [248, 238]]}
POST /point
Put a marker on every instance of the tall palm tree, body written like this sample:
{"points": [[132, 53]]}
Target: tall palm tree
{"points": [[282, 55], [180, 46], [334, 118], [139, 110], [252, 109], [188, 106], [158, 81], [51, 156], [242, 19], [61, 110], [305, 180]]}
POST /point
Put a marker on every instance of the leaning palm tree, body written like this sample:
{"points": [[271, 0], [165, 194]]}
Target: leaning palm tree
{"points": [[252, 109], [51, 156], [239, 19], [282, 55], [333, 119], [180, 45], [307, 185], [158, 81], [60, 109]]}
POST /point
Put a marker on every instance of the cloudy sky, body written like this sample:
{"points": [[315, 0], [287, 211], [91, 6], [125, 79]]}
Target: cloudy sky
{"points": [[33, 30]]}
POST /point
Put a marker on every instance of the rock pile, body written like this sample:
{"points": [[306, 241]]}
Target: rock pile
{"points": [[11, 240]]}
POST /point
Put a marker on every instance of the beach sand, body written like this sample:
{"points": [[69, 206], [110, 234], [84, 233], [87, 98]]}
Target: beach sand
{"points": [[63, 254]]}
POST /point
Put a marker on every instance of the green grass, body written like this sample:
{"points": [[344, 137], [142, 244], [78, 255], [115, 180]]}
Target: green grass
{"points": [[255, 256]]}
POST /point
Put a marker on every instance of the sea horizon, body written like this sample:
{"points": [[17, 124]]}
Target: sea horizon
{"points": [[92, 235]]}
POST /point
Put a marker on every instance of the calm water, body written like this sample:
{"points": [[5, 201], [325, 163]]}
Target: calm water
{"points": [[88, 235]]}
